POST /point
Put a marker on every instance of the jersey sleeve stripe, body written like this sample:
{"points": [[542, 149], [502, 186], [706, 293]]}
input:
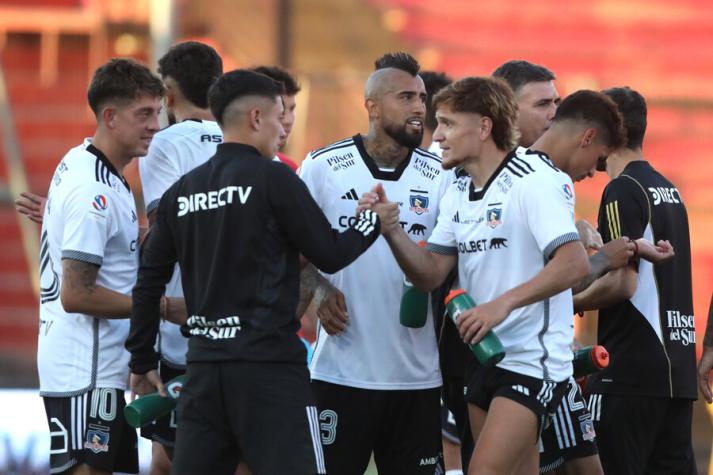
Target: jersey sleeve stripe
{"points": [[519, 167], [514, 172], [558, 242], [613, 219], [82, 256], [427, 154], [319, 152], [523, 162], [442, 250]]}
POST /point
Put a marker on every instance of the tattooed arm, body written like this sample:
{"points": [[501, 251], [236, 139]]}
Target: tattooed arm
{"points": [[81, 294], [331, 307]]}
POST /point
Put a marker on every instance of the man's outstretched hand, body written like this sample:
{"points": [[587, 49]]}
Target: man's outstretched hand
{"points": [[377, 201], [31, 205]]}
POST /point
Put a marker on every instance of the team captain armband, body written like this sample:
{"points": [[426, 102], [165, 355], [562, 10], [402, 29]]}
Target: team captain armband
{"points": [[367, 222]]}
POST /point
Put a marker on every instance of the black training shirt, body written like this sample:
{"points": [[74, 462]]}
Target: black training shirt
{"points": [[236, 225]]}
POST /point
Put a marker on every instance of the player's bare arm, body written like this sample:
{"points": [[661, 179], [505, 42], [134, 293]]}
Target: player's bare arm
{"points": [[611, 255], [589, 236], [654, 253], [426, 270], [331, 307], [614, 287], [567, 267], [31, 205], [81, 294]]}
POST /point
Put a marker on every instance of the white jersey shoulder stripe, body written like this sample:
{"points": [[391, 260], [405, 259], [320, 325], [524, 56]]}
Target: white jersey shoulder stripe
{"points": [[425, 153], [337, 145]]}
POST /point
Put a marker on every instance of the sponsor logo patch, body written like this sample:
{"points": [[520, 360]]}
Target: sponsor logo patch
{"points": [[568, 191], [100, 203]]}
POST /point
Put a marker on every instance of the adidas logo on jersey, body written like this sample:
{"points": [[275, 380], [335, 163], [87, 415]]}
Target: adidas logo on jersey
{"points": [[350, 195]]}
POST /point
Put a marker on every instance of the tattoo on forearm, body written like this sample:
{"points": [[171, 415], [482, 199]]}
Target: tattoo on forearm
{"points": [[80, 276], [598, 267], [310, 282]]}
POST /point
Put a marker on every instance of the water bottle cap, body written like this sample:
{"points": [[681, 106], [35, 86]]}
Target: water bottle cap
{"points": [[600, 356], [453, 294]]}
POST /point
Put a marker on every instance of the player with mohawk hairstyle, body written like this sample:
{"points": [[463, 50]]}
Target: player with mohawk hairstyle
{"points": [[376, 381]]}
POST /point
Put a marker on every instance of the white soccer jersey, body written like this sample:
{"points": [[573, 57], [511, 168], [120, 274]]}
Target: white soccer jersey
{"points": [[91, 217], [376, 351], [435, 148], [175, 151], [503, 235]]}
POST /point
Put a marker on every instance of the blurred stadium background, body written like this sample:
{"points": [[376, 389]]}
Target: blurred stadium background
{"points": [[49, 49]]}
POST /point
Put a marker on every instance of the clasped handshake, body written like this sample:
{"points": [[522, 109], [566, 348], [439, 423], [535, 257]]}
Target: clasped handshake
{"points": [[388, 211]]}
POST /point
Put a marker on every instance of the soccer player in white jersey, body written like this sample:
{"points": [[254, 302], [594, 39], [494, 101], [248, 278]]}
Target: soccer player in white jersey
{"points": [[376, 381], [88, 264], [187, 69], [510, 222]]}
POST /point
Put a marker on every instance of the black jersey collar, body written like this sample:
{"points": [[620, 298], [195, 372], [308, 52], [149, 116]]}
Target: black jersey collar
{"points": [[101, 157], [376, 172], [478, 195], [236, 148]]}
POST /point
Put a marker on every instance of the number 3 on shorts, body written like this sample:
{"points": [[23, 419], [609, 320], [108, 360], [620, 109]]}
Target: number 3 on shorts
{"points": [[328, 426]]}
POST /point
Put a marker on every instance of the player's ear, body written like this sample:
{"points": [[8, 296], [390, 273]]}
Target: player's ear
{"points": [[372, 108], [485, 127], [588, 137], [255, 118], [108, 116], [170, 97]]}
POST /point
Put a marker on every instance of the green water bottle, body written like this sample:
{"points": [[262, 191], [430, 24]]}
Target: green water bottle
{"points": [[413, 312], [489, 350], [150, 407], [589, 359]]}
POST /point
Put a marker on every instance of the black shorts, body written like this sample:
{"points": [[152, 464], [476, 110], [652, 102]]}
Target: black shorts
{"points": [[163, 429], [262, 413], [90, 429], [571, 434], [643, 435], [401, 427], [454, 399], [541, 397]]}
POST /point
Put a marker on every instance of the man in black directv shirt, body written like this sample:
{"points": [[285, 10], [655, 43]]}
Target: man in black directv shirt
{"points": [[236, 225], [642, 403]]}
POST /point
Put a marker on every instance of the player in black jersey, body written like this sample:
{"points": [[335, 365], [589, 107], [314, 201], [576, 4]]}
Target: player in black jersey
{"points": [[236, 226], [642, 403]]}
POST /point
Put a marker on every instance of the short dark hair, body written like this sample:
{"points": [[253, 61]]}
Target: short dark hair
{"points": [[280, 75], [519, 72], [632, 106], [236, 84], [121, 80], [399, 60], [194, 66], [487, 97], [595, 108], [434, 82]]}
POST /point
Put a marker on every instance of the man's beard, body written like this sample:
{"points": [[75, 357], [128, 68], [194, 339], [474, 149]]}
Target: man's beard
{"points": [[402, 137]]}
